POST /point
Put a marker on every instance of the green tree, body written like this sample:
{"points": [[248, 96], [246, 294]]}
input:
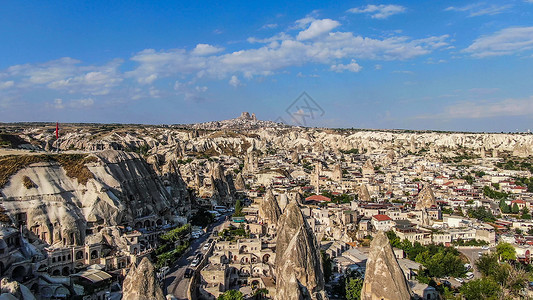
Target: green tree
{"points": [[506, 251], [326, 265], [260, 294], [353, 288], [525, 214], [394, 240], [202, 218], [515, 209], [487, 264], [231, 295], [504, 207], [481, 289], [238, 209]]}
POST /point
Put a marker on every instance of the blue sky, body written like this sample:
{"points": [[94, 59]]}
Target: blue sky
{"points": [[445, 65]]}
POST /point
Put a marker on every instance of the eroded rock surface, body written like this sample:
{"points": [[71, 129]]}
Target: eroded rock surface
{"points": [[384, 279], [269, 209], [141, 283], [298, 264], [14, 290], [426, 198]]}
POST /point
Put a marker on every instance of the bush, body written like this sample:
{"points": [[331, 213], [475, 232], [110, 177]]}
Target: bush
{"points": [[28, 183]]}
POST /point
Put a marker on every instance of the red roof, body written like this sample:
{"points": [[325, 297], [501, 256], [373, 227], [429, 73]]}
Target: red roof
{"points": [[518, 201], [317, 198], [381, 218]]}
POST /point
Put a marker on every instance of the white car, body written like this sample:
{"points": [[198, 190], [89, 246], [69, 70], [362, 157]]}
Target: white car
{"points": [[461, 280], [206, 246], [485, 247], [195, 262]]}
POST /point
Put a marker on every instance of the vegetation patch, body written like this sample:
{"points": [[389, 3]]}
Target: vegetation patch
{"points": [[28, 183], [4, 218], [11, 141], [73, 164]]}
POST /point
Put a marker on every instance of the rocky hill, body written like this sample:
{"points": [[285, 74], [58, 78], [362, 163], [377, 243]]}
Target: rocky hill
{"points": [[244, 121], [220, 138], [65, 196]]}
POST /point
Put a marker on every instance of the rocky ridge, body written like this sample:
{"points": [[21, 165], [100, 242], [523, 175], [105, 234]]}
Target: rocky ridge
{"points": [[384, 279], [141, 283], [298, 264]]}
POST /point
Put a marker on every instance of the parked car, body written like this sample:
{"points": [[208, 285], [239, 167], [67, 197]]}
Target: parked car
{"points": [[195, 262], [206, 246], [461, 280], [469, 275], [189, 272], [485, 247]]}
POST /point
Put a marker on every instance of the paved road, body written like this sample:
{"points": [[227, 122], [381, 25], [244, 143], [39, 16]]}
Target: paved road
{"points": [[473, 254], [175, 283]]}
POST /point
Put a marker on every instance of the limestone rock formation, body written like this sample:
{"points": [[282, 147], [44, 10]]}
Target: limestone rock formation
{"points": [[269, 210], [122, 187], [368, 168], [239, 182], [426, 198], [222, 184], [283, 201], [14, 290], [141, 283], [298, 264], [384, 279], [363, 194]]}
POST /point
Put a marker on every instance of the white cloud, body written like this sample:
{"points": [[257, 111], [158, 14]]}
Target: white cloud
{"points": [[404, 72], [190, 93], [278, 37], [81, 103], [315, 42], [317, 28], [379, 11], [206, 49], [476, 110], [506, 41], [378, 67], [67, 74], [6, 84], [58, 104], [480, 9], [269, 26], [353, 66], [287, 52], [486, 109], [234, 81]]}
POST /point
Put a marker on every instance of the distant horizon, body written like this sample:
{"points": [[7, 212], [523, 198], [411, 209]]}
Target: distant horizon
{"points": [[463, 67], [53, 123]]}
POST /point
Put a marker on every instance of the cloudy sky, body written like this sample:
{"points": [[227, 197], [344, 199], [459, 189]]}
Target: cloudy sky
{"points": [[446, 65]]}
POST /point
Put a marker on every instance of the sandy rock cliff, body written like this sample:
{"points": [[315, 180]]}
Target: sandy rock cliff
{"points": [[384, 278]]}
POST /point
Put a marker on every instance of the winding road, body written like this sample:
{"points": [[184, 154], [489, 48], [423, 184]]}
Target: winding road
{"points": [[175, 282]]}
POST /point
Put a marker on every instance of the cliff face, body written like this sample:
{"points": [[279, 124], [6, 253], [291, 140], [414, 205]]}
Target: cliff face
{"points": [[426, 198], [364, 195], [269, 209], [384, 278], [141, 283], [14, 290], [298, 264], [121, 188], [160, 139]]}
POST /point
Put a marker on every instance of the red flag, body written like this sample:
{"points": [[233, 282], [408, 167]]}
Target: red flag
{"points": [[57, 130]]}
